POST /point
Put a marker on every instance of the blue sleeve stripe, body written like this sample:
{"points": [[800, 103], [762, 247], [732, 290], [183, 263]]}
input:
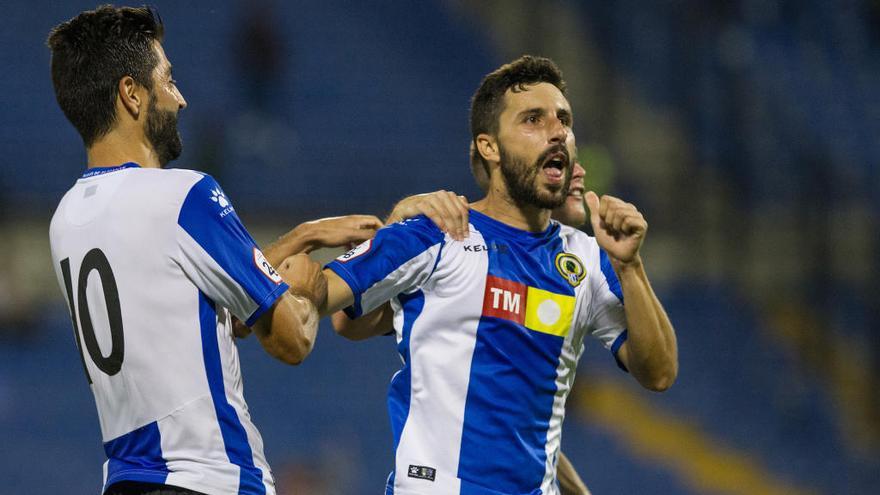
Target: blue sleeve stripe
{"points": [[355, 310], [610, 276], [267, 303], [615, 348], [393, 247], [208, 217]]}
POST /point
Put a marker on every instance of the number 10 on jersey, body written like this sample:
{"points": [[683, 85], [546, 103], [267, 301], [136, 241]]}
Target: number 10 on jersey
{"points": [[97, 261]]}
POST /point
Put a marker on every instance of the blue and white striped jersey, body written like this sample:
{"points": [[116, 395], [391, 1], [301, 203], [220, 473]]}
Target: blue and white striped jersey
{"points": [[490, 330], [153, 263]]}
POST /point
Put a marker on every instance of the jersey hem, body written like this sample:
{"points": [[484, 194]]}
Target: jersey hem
{"points": [[141, 475], [267, 302], [355, 309]]}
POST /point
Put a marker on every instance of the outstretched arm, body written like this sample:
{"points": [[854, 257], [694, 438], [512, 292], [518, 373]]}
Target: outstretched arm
{"points": [[650, 351], [449, 212], [325, 232]]}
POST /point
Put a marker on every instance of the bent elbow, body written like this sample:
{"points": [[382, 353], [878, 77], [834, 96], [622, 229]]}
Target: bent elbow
{"points": [[664, 381], [294, 351]]}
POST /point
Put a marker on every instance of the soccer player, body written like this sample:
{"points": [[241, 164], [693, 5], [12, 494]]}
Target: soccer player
{"points": [[155, 263], [449, 212], [490, 328]]}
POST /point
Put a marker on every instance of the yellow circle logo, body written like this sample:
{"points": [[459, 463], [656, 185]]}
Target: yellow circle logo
{"points": [[571, 268]]}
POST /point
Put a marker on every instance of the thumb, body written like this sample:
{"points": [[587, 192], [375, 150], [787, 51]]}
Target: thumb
{"points": [[593, 205]]}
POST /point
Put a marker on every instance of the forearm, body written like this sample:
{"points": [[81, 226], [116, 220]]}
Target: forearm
{"points": [[298, 240], [570, 483], [288, 330], [377, 322], [651, 351]]}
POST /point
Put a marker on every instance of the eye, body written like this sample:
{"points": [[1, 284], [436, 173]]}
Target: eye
{"points": [[532, 119]]}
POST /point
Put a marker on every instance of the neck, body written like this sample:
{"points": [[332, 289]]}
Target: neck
{"points": [[500, 206], [120, 146]]}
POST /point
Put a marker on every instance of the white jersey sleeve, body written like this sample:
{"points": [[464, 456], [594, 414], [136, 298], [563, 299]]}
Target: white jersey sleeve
{"points": [[220, 257], [606, 318], [399, 259]]}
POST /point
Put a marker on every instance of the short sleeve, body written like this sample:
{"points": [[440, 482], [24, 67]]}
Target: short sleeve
{"points": [[399, 259], [607, 319], [221, 258]]}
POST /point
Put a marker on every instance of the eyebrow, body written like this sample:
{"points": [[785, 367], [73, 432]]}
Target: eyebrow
{"points": [[530, 111], [560, 112]]}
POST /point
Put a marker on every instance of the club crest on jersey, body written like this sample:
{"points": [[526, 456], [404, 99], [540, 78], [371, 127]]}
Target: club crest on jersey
{"points": [[571, 268], [361, 249], [265, 267], [218, 197]]}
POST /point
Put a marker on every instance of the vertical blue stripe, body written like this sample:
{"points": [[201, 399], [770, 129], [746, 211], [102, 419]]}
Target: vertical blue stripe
{"points": [[234, 436], [610, 276], [136, 456], [401, 385], [512, 383]]}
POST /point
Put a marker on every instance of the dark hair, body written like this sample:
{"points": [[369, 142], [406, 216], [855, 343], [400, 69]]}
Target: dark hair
{"points": [[91, 53], [487, 103]]}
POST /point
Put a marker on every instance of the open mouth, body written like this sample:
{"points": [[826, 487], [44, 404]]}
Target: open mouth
{"points": [[555, 165]]}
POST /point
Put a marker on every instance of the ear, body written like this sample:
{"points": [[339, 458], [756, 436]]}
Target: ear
{"points": [[131, 95], [487, 146]]}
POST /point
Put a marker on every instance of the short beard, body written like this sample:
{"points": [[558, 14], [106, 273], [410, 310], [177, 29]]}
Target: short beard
{"points": [[521, 180], [162, 133]]}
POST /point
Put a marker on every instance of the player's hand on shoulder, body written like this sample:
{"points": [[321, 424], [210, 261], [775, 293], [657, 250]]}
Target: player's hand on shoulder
{"points": [[619, 227], [343, 231], [449, 211], [305, 278]]}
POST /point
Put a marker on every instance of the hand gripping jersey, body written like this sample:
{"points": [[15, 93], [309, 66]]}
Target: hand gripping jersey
{"points": [[152, 263], [490, 330]]}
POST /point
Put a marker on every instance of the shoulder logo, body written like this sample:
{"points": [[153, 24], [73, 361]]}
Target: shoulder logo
{"points": [[361, 249], [218, 197], [571, 268], [265, 267]]}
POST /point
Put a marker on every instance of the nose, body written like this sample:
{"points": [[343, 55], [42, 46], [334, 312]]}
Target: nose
{"points": [[559, 132], [578, 172], [181, 102]]}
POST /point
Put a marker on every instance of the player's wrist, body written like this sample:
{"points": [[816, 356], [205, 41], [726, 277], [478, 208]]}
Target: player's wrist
{"points": [[622, 266]]}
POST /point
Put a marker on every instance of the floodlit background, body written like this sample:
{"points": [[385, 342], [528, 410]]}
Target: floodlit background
{"points": [[748, 132]]}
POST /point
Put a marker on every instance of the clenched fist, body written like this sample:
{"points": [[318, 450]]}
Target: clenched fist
{"points": [[618, 226], [305, 278]]}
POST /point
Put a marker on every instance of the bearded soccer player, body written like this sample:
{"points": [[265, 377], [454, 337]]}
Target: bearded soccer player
{"points": [[490, 328], [155, 263], [449, 212]]}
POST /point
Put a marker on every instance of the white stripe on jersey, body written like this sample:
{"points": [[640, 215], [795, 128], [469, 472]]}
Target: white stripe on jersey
{"points": [[433, 429]]}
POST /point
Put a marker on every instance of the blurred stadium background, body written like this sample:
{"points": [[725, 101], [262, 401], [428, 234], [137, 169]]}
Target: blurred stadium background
{"points": [[747, 131]]}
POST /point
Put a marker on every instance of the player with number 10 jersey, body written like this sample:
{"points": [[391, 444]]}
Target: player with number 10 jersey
{"points": [[147, 280]]}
